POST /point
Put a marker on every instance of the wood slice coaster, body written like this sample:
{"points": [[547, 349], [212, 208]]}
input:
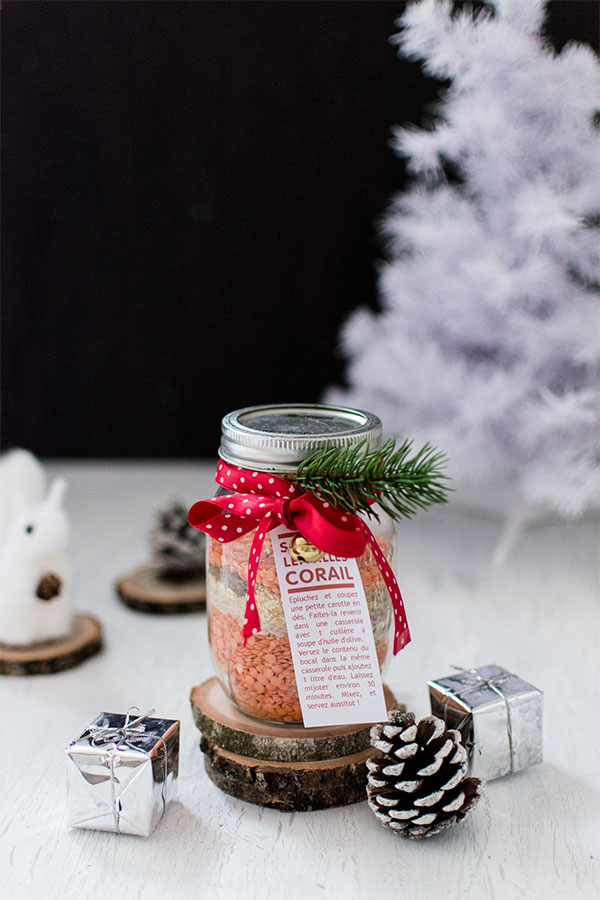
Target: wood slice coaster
{"points": [[54, 656], [288, 786], [219, 719], [146, 590]]}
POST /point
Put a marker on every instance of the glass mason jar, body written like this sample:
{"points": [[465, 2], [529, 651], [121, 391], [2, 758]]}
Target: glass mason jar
{"points": [[275, 439]]}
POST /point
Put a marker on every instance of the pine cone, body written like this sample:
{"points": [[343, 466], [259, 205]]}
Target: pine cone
{"points": [[418, 786], [175, 544]]}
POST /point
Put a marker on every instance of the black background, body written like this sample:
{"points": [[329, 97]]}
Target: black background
{"points": [[190, 199]]}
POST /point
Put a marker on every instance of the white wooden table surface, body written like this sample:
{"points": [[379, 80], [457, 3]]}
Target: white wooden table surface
{"points": [[534, 834]]}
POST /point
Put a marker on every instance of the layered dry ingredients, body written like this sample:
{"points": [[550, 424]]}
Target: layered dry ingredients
{"points": [[260, 676]]}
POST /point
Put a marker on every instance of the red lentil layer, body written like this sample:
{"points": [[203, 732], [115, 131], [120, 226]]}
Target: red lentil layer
{"points": [[261, 674], [235, 555]]}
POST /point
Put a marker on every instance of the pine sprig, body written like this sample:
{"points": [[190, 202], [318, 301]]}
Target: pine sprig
{"points": [[351, 478]]}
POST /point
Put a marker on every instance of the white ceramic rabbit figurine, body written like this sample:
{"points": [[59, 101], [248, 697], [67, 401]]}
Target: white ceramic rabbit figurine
{"points": [[35, 601]]}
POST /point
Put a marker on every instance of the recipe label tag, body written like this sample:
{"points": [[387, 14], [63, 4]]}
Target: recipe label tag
{"points": [[330, 634]]}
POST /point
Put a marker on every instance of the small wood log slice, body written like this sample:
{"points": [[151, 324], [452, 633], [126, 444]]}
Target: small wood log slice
{"points": [[288, 786], [147, 590], [54, 656], [219, 719]]}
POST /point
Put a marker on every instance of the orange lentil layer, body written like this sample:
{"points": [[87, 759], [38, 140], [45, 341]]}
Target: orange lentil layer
{"points": [[235, 555], [261, 674]]}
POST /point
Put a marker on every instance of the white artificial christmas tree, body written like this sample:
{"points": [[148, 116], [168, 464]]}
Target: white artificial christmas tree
{"points": [[487, 344]]}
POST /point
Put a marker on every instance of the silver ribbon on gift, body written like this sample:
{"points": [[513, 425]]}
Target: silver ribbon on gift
{"points": [[473, 686], [111, 738]]}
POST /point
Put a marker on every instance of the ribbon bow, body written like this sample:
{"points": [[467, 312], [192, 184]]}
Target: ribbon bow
{"points": [[128, 733], [264, 501]]}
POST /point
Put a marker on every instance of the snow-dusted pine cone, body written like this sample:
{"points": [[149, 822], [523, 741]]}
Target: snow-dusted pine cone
{"points": [[175, 544], [419, 786]]}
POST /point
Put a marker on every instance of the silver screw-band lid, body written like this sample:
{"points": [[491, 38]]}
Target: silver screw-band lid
{"points": [[278, 437]]}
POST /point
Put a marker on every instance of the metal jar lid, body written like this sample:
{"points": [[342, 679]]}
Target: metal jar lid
{"points": [[278, 437]]}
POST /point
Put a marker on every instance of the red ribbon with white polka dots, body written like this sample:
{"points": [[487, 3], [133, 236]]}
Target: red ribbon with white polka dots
{"points": [[264, 501]]}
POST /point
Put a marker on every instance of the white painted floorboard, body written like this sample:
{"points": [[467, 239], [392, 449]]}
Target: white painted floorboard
{"points": [[534, 836]]}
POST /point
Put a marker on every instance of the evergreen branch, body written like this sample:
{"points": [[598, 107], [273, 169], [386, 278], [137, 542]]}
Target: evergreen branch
{"points": [[352, 478]]}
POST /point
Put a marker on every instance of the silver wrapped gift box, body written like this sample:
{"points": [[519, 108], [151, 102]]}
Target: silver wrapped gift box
{"points": [[498, 715], [122, 772]]}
